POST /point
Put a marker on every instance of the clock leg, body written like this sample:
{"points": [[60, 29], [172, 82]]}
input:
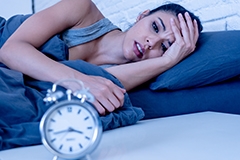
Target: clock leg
{"points": [[87, 157], [55, 158]]}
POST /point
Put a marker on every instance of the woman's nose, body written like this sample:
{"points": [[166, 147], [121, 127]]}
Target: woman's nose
{"points": [[149, 44], [152, 42]]}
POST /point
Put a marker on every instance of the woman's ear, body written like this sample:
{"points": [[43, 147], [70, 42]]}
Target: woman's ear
{"points": [[142, 15]]}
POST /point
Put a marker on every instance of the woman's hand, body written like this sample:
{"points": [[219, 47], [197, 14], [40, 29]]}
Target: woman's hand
{"points": [[185, 39], [108, 96]]}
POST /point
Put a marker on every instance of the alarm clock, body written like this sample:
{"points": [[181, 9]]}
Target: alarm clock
{"points": [[71, 128]]}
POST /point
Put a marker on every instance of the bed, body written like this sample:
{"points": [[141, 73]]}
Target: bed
{"points": [[207, 80]]}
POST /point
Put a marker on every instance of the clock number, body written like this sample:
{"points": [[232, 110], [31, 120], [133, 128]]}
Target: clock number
{"points": [[86, 118], [69, 109], [89, 127], [70, 149], [87, 138], [50, 130], [53, 120], [79, 111]]}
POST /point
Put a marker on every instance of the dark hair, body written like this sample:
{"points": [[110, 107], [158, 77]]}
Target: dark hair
{"points": [[176, 9]]}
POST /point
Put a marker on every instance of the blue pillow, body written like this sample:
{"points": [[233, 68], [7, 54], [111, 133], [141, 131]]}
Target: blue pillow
{"points": [[216, 58]]}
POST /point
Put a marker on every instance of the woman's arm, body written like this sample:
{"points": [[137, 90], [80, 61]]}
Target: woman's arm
{"points": [[20, 50], [20, 53], [134, 74]]}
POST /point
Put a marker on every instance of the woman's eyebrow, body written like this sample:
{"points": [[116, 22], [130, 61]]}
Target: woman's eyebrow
{"points": [[161, 22]]}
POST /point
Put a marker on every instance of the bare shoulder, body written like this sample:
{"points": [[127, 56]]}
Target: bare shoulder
{"points": [[89, 13], [77, 12]]}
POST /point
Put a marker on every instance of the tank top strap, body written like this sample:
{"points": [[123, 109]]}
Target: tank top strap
{"points": [[73, 37]]}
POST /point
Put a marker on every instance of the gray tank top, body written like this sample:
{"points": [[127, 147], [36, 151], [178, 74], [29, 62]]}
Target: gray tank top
{"points": [[73, 37]]}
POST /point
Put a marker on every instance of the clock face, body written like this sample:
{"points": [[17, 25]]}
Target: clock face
{"points": [[70, 129]]}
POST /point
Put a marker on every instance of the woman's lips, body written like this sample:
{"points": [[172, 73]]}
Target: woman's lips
{"points": [[138, 50]]}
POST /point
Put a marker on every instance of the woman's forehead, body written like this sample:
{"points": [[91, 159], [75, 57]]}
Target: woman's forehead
{"points": [[163, 14], [165, 17]]}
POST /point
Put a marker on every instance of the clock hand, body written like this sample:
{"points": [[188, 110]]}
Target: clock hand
{"points": [[66, 130], [74, 130], [64, 135], [70, 129]]}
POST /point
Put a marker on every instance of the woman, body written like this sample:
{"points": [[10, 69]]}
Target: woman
{"points": [[159, 40]]}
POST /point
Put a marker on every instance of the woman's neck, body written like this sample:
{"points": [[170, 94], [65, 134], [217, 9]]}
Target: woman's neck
{"points": [[109, 48], [104, 50]]}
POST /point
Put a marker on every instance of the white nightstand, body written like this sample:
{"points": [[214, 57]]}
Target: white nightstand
{"points": [[199, 136]]}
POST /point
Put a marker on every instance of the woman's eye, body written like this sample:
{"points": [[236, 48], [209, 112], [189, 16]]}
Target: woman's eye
{"points": [[164, 48], [155, 27]]}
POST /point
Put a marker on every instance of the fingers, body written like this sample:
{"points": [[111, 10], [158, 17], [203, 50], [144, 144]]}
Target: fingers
{"points": [[193, 28], [184, 28], [108, 96], [119, 94], [196, 31], [186, 34], [105, 104], [189, 30], [101, 110], [179, 40], [190, 24]]}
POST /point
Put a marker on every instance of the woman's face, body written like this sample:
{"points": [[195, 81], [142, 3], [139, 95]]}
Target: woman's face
{"points": [[150, 37]]}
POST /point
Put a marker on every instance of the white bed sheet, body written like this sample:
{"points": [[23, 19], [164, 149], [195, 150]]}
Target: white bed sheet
{"points": [[199, 136]]}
